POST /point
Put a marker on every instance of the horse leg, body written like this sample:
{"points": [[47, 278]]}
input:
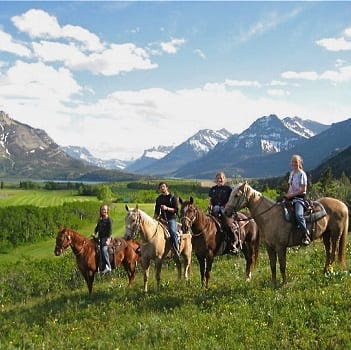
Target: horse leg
{"points": [[273, 263], [282, 263], [209, 262], [202, 263], [248, 254], [89, 279], [145, 263], [129, 266], [158, 266], [187, 263], [328, 267], [176, 259]]}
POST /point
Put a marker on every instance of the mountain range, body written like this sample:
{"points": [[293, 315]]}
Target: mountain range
{"points": [[262, 150]]}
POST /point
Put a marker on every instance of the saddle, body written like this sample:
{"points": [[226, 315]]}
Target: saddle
{"points": [[314, 211]]}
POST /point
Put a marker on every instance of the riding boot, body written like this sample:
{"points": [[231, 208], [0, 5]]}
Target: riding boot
{"points": [[307, 238]]}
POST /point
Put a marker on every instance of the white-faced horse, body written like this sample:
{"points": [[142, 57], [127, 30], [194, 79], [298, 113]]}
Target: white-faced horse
{"points": [[277, 233], [156, 244]]}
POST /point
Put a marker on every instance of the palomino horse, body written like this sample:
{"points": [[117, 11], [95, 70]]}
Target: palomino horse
{"points": [[209, 239], [87, 259], [277, 233], [156, 244]]}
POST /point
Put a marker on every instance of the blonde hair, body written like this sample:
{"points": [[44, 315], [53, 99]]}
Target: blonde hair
{"points": [[298, 159], [220, 174], [104, 206]]}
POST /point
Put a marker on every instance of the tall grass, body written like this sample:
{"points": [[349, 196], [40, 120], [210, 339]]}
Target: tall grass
{"points": [[45, 304]]}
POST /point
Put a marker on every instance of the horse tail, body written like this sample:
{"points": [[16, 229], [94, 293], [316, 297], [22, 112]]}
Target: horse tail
{"points": [[343, 241]]}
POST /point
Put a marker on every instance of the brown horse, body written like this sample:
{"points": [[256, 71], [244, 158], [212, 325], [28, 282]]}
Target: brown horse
{"points": [[87, 259], [124, 252], [209, 239], [277, 233], [155, 244]]}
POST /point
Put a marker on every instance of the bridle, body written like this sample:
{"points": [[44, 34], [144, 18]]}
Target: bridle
{"points": [[134, 228], [241, 200], [191, 221], [68, 238]]}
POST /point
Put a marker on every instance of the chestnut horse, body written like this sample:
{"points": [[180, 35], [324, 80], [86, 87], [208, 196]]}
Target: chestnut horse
{"points": [[155, 244], [277, 233], [87, 259], [209, 239]]}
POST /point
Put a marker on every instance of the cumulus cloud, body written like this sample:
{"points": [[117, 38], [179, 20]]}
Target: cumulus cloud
{"points": [[342, 43], [11, 46], [39, 24], [79, 49]]}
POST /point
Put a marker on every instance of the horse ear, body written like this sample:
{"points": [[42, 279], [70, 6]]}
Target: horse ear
{"points": [[180, 201], [127, 208], [191, 200], [137, 207]]}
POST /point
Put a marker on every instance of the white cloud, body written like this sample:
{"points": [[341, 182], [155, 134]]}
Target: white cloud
{"points": [[300, 75], [36, 81], [172, 46], [343, 74], [335, 44], [112, 61], [39, 24], [243, 83], [9, 45]]}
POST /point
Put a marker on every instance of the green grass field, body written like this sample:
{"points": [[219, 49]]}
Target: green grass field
{"points": [[39, 198], [44, 303]]}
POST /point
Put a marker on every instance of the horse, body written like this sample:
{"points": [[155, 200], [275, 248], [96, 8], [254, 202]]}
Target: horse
{"points": [[156, 244], [87, 258], [209, 239], [125, 252], [277, 233]]}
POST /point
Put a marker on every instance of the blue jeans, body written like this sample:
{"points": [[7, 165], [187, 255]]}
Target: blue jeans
{"points": [[299, 211], [172, 228], [104, 251]]}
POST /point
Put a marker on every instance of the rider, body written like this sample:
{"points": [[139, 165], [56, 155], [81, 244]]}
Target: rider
{"points": [[297, 192], [218, 198], [166, 208], [104, 230]]}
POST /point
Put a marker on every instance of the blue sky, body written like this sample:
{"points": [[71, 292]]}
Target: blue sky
{"points": [[121, 77]]}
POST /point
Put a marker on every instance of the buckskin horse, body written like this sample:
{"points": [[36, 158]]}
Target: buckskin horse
{"points": [[277, 233], [209, 238], [121, 252], [155, 244]]}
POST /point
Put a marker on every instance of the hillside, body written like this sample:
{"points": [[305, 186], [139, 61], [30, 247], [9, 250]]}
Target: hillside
{"points": [[26, 152]]}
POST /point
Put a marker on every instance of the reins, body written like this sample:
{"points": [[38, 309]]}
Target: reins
{"points": [[192, 221], [75, 251], [252, 217]]}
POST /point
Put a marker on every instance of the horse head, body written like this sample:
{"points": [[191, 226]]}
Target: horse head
{"points": [[63, 240], [132, 221], [188, 213], [237, 199]]}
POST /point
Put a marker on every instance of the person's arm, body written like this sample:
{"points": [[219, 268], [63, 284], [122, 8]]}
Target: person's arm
{"points": [[109, 234], [157, 209]]}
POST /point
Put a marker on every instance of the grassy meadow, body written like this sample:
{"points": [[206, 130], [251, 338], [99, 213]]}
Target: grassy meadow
{"points": [[44, 303]]}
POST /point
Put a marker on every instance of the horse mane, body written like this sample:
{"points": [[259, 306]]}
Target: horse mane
{"points": [[146, 217]]}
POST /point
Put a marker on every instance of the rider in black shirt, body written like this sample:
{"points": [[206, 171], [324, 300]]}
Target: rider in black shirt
{"points": [[218, 198]]}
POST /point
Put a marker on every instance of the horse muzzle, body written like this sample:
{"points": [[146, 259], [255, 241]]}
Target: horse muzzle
{"points": [[58, 251]]}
